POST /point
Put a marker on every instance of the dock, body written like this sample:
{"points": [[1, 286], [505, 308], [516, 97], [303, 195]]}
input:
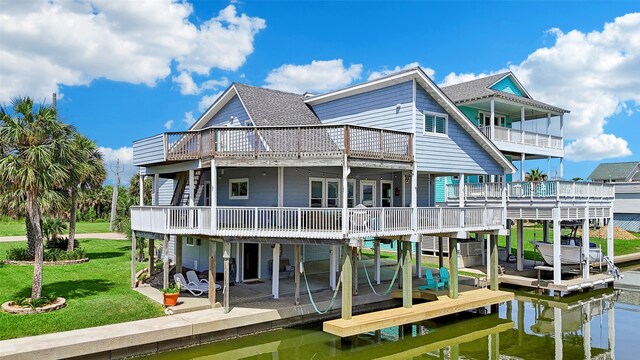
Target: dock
{"points": [[419, 312], [569, 285]]}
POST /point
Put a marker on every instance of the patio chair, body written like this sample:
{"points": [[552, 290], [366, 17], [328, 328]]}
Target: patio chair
{"points": [[193, 278], [194, 288], [444, 277], [431, 282]]}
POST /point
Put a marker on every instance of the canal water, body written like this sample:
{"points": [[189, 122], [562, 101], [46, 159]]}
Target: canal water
{"points": [[597, 325]]}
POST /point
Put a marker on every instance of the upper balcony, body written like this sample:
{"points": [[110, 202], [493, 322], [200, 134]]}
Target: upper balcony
{"points": [[327, 142], [518, 141]]}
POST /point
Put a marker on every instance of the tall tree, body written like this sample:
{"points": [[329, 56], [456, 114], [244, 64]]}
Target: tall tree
{"points": [[87, 172], [535, 175], [36, 154]]}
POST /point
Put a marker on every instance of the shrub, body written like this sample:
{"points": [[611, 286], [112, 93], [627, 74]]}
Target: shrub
{"points": [[172, 289], [60, 243], [19, 254], [90, 215], [40, 302], [62, 255]]}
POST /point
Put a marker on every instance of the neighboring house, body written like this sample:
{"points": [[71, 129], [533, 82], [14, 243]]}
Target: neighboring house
{"points": [[626, 176], [267, 177]]}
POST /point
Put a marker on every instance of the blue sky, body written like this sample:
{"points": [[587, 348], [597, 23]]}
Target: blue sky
{"points": [[128, 70]]}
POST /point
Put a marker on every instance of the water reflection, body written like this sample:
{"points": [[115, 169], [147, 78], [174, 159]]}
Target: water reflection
{"points": [[531, 327]]}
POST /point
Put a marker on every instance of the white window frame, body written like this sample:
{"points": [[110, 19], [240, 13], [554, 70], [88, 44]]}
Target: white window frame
{"points": [[502, 119], [374, 193], [239, 180], [435, 126], [190, 241], [325, 190], [352, 183], [389, 182]]}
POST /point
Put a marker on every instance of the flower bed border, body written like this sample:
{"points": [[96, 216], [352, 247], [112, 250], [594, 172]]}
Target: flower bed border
{"points": [[61, 262], [59, 303]]}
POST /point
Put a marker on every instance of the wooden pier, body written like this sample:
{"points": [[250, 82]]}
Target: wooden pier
{"points": [[569, 285], [419, 312]]}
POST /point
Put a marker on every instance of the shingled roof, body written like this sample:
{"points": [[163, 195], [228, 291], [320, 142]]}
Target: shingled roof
{"points": [[622, 171], [268, 107], [480, 89]]}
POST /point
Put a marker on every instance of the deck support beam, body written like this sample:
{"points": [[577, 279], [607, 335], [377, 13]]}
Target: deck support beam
{"points": [[133, 259], [141, 188], [586, 331], [226, 255], [585, 244], [275, 272], [213, 196], [522, 158], [545, 230], [492, 123], [407, 298], [453, 267], [440, 254], [520, 245], [156, 190], [508, 240], [347, 278], [152, 256], [610, 240], [333, 263], [179, 253], [557, 266], [493, 240], [165, 261], [376, 260], [212, 273], [557, 331], [298, 263], [418, 252]]}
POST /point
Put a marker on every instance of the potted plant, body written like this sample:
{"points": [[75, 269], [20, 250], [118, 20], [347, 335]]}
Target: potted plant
{"points": [[171, 294]]}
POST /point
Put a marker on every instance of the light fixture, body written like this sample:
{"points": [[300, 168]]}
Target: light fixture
{"points": [[264, 173]]}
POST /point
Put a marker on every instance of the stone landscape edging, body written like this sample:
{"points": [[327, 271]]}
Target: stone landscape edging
{"points": [[60, 262], [58, 304]]}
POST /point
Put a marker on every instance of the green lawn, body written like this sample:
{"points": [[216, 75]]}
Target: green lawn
{"points": [[17, 228], [97, 292], [620, 247]]}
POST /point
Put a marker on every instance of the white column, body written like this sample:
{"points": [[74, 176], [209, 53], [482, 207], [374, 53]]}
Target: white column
{"points": [[585, 244], [520, 245], [548, 123], [333, 263], [561, 169], [191, 186], [214, 196], [238, 262], [418, 252], [345, 195], [414, 201], [376, 259], [557, 332], [586, 331], [549, 167], [610, 253], [557, 270], [156, 189], [275, 272], [611, 330], [483, 249], [492, 124], [522, 172], [141, 184]]}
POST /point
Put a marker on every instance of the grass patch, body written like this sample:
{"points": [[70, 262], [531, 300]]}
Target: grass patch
{"points": [[17, 228], [620, 247], [98, 292]]}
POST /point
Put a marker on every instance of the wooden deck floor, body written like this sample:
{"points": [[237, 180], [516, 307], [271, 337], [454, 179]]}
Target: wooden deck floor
{"points": [[564, 286], [399, 316]]}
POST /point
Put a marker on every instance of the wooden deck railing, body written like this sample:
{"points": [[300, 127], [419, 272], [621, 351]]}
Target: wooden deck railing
{"points": [[517, 136], [533, 190], [301, 222], [320, 141]]}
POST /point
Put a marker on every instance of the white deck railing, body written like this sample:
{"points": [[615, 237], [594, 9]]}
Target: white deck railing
{"points": [[307, 222], [559, 190], [517, 136]]}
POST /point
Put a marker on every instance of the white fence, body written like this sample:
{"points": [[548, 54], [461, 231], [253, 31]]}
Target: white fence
{"points": [[443, 219], [533, 190], [517, 136]]}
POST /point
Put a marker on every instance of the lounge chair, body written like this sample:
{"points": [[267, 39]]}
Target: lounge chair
{"points": [[431, 283], [444, 277], [193, 278], [196, 289]]}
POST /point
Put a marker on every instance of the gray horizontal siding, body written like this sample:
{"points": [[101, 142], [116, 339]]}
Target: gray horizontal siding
{"points": [[375, 108], [629, 222], [165, 192], [456, 153], [629, 205], [232, 109], [149, 150]]}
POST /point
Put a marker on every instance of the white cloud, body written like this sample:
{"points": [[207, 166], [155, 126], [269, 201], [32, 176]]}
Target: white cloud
{"points": [[596, 148], [125, 156], [207, 101], [189, 87], [384, 72], [454, 78], [168, 124], [188, 118], [592, 74], [319, 76], [50, 43]]}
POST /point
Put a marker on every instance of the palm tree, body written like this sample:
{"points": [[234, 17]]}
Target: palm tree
{"points": [[576, 179], [535, 175], [36, 154], [86, 173]]}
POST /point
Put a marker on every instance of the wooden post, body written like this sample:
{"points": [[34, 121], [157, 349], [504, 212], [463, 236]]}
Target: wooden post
{"points": [[494, 262], [226, 255], [520, 245], [152, 257], [354, 266], [454, 352], [165, 261], [275, 272], [545, 230], [376, 259], [557, 331], [179, 253], [407, 291], [212, 273], [586, 332], [333, 261], [557, 269], [296, 255], [133, 259], [440, 254], [418, 252], [495, 346], [453, 267], [346, 282], [508, 239]]}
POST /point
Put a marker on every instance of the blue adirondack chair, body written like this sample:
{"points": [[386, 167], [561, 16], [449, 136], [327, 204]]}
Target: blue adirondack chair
{"points": [[444, 277], [431, 282]]}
